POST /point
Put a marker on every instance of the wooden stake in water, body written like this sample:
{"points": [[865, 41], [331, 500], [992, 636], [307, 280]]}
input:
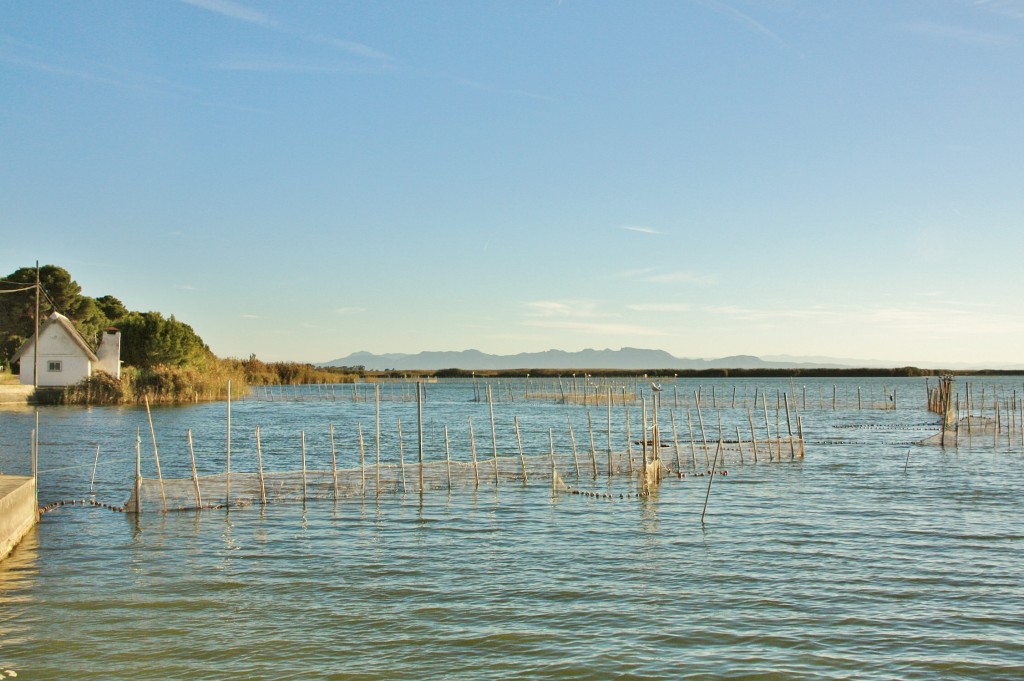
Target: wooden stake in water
{"points": [[227, 466], [767, 427], [195, 474], [789, 429], [376, 402], [259, 465], [703, 435], [551, 445], [138, 468], [629, 445], [156, 454], [334, 462], [675, 439], [472, 449], [494, 434], [94, 464], [575, 457], [519, 442], [593, 450], [419, 429], [609, 432], [362, 460], [448, 457], [753, 434], [303, 434], [693, 449], [401, 455], [710, 481]]}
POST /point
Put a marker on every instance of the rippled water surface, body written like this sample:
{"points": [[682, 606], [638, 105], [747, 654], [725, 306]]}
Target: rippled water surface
{"points": [[871, 558]]}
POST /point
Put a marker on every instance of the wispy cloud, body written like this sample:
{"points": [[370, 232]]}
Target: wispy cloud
{"points": [[583, 316], [656, 275], [260, 65], [959, 34], [250, 316], [19, 53], [745, 20], [935, 318], [597, 327], [353, 48], [1007, 8], [660, 307], [482, 87], [243, 13], [568, 308], [234, 10], [641, 230]]}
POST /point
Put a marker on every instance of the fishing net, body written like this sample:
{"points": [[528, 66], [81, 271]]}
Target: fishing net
{"points": [[561, 470]]}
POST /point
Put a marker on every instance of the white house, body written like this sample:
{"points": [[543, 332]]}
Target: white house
{"points": [[64, 356]]}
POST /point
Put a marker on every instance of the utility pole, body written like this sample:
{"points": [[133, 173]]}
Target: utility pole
{"points": [[35, 370]]}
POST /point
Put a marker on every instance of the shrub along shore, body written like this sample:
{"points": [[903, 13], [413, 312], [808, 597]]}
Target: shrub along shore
{"points": [[162, 384]]}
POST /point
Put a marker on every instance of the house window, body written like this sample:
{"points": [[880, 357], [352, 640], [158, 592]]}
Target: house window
{"points": [[53, 366]]}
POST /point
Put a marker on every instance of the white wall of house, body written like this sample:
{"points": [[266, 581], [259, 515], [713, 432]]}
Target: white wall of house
{"points": [[61, 360]]}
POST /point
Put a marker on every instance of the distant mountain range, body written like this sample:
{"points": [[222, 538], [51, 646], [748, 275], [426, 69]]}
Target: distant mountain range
{"points": [[626, 358]]}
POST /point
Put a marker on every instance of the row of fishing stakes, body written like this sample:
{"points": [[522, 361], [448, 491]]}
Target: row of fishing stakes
{"points": [[585, 389], [967, 416], [651, 443]]}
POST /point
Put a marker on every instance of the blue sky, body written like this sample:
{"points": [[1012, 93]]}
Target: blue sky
{"points": [[301, 180]]}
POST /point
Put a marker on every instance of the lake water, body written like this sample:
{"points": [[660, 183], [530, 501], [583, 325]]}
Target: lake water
{"points": [[870, 558]]}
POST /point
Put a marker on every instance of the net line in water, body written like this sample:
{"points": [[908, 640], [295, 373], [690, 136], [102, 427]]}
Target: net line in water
{"points": [[560, 470]]}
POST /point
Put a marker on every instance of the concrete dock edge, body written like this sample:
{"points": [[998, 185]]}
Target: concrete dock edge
{"points": [[18, 510]]}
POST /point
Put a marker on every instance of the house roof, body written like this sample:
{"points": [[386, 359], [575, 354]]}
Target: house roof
{"points": [[69, 328]]}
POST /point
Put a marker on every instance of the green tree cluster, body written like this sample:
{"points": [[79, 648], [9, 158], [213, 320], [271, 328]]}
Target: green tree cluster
{"points": [[147, 338]]}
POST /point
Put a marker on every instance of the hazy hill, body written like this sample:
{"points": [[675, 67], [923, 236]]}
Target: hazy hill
{"points": [[626, 358]]}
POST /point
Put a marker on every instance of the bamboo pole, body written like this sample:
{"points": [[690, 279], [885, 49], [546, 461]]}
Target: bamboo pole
{"points": [[376, 419], [447, 457], [138, 465], [156, 454], [739, 443], [419, 428], [95, 463], [472, 449], [593, 450], [575, 454], [693, 448], [643, 437], [551, 445], [195, 474], [703, 435], [711, 480], [259, 465], [800, 430], [334, 462], [303, 437], [401, 455], [789, 429], [519, 443], [753, 434], [767, 427], [362, 460], [494, 434], [609, 431], [227, 465], [675, 439], [629, 445]]}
